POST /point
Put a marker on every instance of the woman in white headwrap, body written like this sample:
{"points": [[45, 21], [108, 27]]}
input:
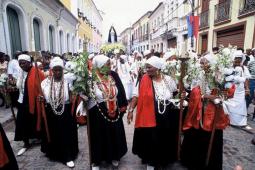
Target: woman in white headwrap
{"points": [[156, 124], [63, 144], [198, 123], [106, 109], [236, 106]]}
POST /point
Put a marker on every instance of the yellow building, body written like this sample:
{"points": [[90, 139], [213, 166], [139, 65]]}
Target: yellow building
{"points": [[224, 22]]}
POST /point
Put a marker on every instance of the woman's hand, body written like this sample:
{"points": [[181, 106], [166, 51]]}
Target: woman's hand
{"points": [[183, 95], [40, 98], [123, 109], [129, 117]]}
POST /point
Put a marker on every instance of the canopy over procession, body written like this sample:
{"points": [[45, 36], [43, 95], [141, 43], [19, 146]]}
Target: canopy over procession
{"points": [[173, 102]]}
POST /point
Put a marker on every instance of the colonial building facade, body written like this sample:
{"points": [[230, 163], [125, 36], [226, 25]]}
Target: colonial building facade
{"points": [[37, 25], [224, 22], [126, 39]]}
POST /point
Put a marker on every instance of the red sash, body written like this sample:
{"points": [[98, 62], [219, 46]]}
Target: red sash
{"points": [[145, 116]]}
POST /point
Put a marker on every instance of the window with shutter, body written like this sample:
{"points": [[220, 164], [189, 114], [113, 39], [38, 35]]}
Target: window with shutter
{"points": [[61, 41], [14, 30], [51, 38], [37, 35]]}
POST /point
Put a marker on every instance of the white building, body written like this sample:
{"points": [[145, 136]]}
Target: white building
{"points": [[37, 25], [126, 39], [176, 34], [157, 29], [97, 29]]}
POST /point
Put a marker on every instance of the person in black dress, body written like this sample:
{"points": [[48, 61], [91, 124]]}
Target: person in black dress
{"points": [[106, 108], [63, 143]]}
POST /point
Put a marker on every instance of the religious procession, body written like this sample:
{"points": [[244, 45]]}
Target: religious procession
{"points": [[172, 91]]}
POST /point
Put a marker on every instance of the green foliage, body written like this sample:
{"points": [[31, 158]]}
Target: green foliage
{"points": [[81, 85]]}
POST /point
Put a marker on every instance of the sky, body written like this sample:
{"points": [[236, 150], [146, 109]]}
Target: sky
{"points": [[123, 13]]}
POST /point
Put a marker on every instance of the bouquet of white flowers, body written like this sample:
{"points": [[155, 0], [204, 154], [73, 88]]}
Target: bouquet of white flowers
{"points": [[224, 61], [109, 48]]}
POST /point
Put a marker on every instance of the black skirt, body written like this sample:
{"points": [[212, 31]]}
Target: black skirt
{"points": [[25, 124], [195, 147], [63, 145], [158, 145], [12, 164], [108, 140]]}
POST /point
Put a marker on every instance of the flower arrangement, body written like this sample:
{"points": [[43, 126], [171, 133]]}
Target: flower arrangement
{"points": [[81, 72], [194, 71], [223, 62], [109, 48], [172, 68]]}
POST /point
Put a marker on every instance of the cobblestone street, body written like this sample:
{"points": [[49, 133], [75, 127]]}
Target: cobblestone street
{"points": [[237, 150]]}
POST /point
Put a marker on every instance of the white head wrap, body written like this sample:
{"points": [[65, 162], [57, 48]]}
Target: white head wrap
{"points": [[169, 54], [156, 62], [124, 57], [210, 58], [99, 61], [116, 51], [239, 54], [146, 52], [24, 57], [56, 61], [91, 56]]}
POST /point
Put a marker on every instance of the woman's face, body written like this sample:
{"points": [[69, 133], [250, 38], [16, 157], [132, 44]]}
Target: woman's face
{"points": [[151, 71], [237, 61], [57, 72], [25, 65]]}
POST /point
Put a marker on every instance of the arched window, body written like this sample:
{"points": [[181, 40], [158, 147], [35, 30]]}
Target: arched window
{"points": [[73, 44], [61, 42], [14, 30], [37, 37], [68, 43], [51, 39]]}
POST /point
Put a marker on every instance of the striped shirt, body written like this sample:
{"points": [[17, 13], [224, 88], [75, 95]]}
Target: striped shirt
{"points": [[251, 68]]}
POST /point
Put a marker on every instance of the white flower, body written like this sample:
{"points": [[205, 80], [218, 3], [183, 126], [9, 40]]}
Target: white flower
{"points": [[226, 51]]}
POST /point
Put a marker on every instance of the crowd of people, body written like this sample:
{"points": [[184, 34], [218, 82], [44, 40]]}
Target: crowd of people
{"points": [[134, 84]]}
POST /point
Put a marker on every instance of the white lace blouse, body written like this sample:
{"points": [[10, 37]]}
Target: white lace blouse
{"points": [[163, 89]]}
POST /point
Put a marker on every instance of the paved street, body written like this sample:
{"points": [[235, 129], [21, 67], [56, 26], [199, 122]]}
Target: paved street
{"points": [[237, 150]]}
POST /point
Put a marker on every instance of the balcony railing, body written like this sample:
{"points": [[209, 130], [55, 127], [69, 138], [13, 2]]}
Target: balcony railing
{"points": [[247, 7], [204, 19], [222, 12]]}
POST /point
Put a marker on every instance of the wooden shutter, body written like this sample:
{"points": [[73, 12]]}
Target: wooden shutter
{"points": [[234, 37], [37, 35], [205, 5], [61, 42], [204, 44], [14, 30], [172, 43], [51, 38]]}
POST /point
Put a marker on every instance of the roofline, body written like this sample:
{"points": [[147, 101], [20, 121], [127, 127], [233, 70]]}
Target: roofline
{"points": [[97, 9], [161, 3], [148, 12], [125, 30], [68, 11]]}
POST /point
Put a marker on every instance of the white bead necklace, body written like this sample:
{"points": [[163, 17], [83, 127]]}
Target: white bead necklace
{"points": [[57, 96], [160, 95]]}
